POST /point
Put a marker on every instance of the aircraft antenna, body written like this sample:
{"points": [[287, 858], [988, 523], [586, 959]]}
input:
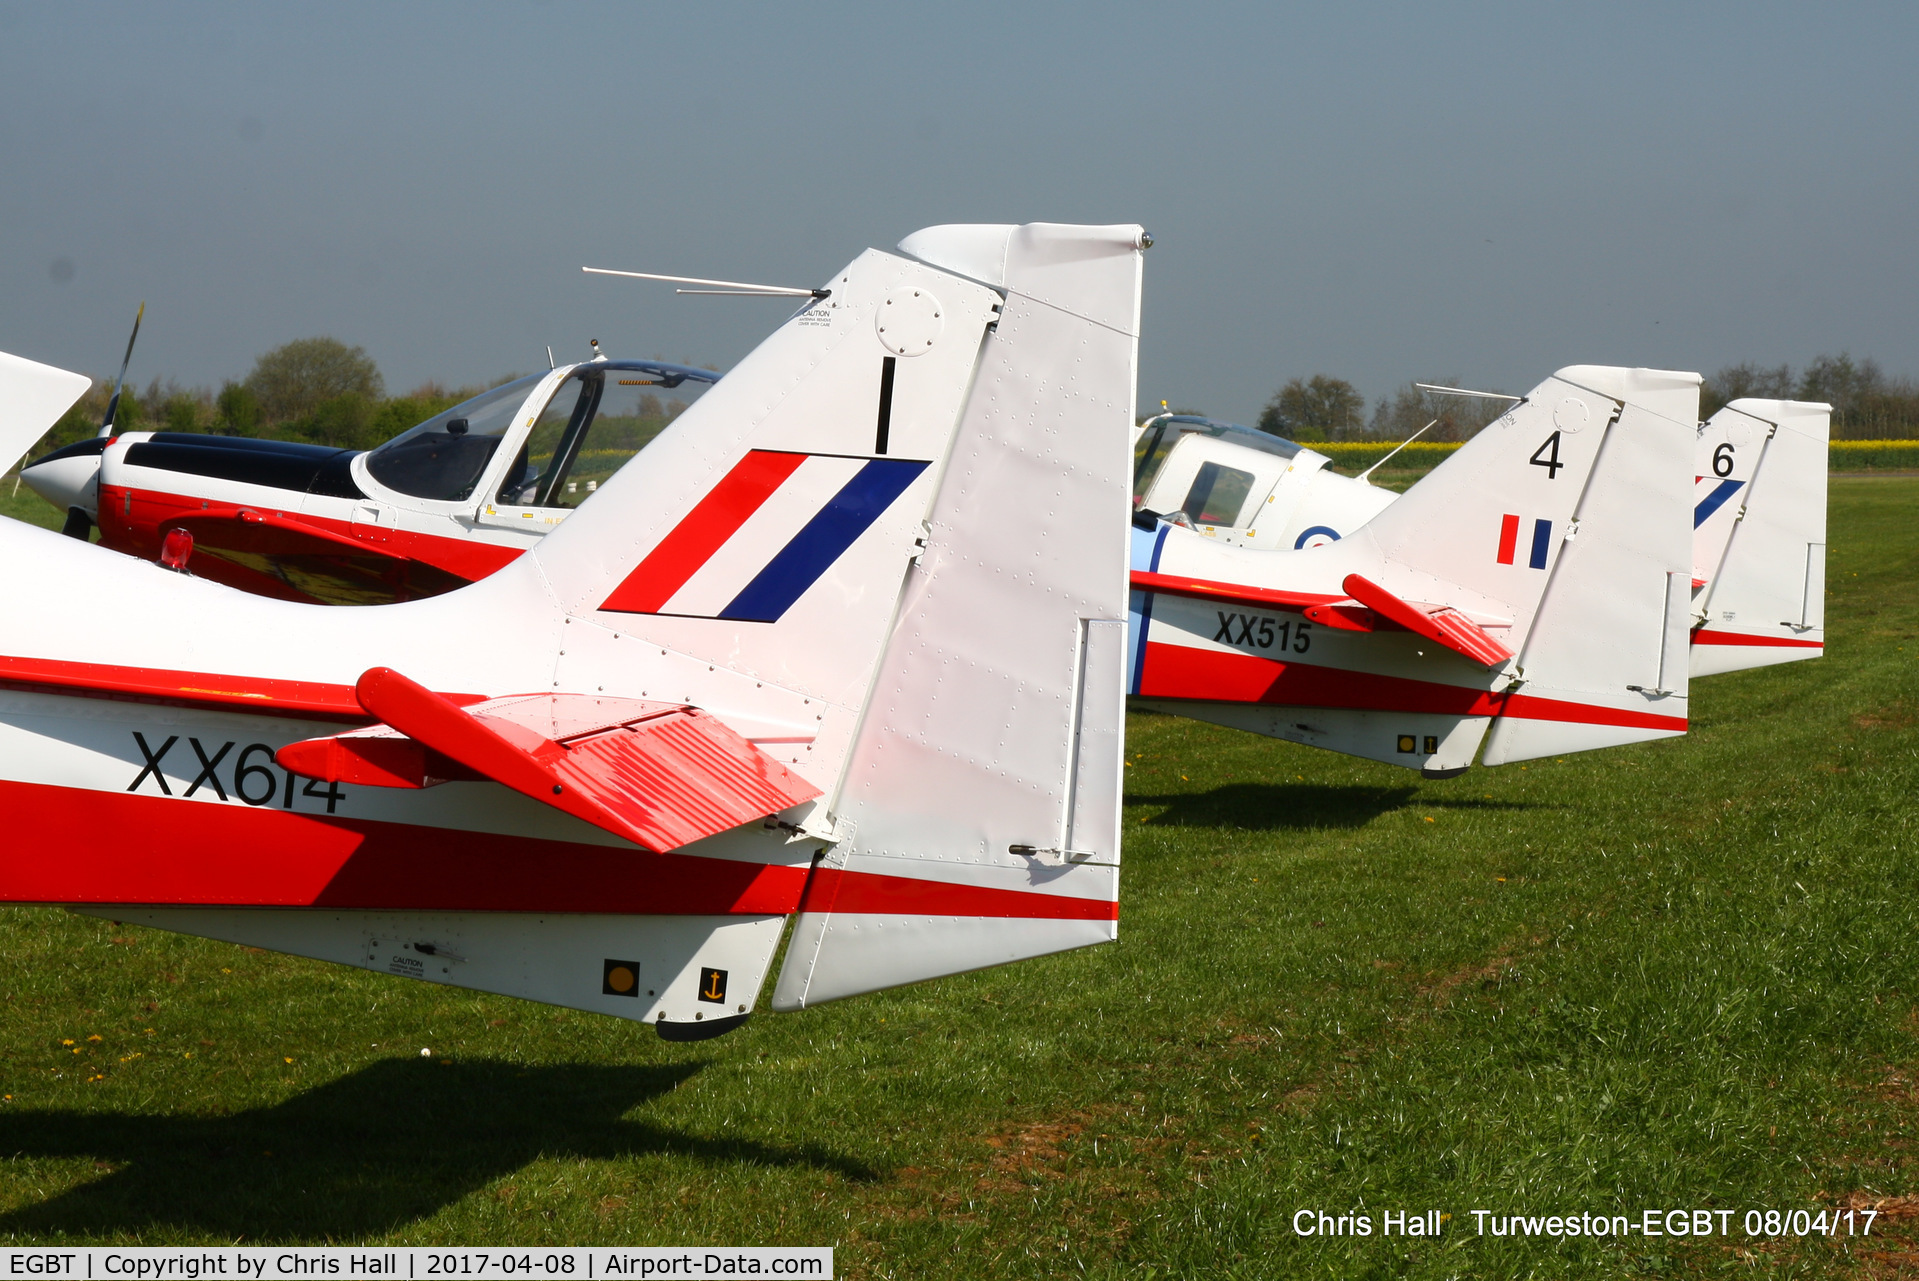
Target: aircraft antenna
{"points": [[1461, 391], [549, 357], [1402, 444], [113, 406], [721, 288]]}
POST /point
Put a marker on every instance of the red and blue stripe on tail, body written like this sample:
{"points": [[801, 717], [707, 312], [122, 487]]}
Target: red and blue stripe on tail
{"points": [[769, 530]]}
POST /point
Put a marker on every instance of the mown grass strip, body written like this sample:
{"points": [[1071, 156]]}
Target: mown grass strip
{"points": [[1682, 974]]}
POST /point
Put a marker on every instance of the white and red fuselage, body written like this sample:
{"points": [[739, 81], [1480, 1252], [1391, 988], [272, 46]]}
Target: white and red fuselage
{"points": [[838, 650], [430, 510]]}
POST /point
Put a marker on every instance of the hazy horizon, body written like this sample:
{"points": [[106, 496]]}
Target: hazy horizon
{"points": [[1485, 192]]}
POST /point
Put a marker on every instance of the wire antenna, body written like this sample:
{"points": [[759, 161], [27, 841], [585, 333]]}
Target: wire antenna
{"points": [[720, 288], [1461, 391], [1401, 445]]}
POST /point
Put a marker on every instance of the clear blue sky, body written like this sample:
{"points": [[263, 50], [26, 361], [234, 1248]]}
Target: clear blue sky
{"points": [[1379, 192]]}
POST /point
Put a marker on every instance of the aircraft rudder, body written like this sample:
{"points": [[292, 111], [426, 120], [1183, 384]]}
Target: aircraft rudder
{"points": [[1761, 555], [1606, 660], [979, 819]]}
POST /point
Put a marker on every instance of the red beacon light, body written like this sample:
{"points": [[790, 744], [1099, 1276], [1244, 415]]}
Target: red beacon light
{"points": [[175, 550]]}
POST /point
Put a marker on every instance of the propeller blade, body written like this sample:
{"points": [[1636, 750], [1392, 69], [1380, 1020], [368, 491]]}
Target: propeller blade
{"points": [[113, 406]]}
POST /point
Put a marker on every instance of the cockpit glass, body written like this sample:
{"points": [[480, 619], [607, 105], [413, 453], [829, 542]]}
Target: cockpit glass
{"points": [[1217, 495], [444, 457], [1164, 433], [595, 421]]}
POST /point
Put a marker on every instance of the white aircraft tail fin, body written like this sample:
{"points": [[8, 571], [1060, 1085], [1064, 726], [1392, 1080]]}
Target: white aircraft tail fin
{"points": [[1759, 537], [979, 817], [1605, 661], [1526, 586], [768, 531], [887, 551], [32, 398]]}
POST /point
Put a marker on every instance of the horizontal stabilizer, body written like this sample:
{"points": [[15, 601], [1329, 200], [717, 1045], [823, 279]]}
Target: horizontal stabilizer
{"points": [[1441, 624], [1236, 593], [661, 775]]}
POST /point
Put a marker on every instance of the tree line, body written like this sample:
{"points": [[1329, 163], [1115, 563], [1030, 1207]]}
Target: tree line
{"points": [[1866, 403], [322, 391], [316, 390]]}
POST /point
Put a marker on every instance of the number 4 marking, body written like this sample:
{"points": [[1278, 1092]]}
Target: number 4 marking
{"points": [[1551, 461], [332, 796]]}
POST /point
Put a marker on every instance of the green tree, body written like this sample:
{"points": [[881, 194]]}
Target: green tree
{"points": [[344, 422], [1315, 409], [129, 415], [295, 379], [1741, 380], [396, 415], [1866, 405], [238, 410], [182, 413], [1410, 408]]}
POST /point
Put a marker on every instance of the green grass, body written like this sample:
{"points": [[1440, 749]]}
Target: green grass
{"points": [[21, 503], [1678, 975]]}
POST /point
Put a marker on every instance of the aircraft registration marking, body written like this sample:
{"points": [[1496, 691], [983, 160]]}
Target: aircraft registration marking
{"points": [[243, 781], [1258, 631]]}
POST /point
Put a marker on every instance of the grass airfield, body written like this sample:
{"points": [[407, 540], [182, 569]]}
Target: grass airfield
{"points": [[1683, 975]]}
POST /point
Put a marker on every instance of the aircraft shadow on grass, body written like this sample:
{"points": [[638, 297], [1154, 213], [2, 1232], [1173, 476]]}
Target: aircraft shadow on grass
{"points": [[1267, 807], [362, 1155]]}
